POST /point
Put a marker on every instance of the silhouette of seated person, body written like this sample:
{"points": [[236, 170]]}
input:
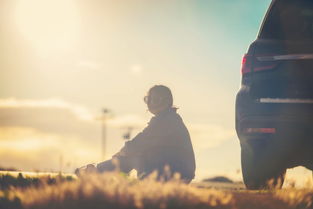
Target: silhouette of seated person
{"points": [[163, 146]]}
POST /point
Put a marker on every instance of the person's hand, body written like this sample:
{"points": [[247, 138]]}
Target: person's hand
{"points": [[90, 168]]}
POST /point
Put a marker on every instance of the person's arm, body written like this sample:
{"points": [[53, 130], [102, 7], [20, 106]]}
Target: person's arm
{"points": [[90, 168], [125, 159], [117, 163], [107, 165]]}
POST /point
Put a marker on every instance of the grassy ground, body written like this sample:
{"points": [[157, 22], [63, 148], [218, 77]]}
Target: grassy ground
{"points": [[118, 192], [25, 180]]}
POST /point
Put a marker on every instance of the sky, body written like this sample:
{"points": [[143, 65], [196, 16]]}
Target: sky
{"points": [[63, 61]]}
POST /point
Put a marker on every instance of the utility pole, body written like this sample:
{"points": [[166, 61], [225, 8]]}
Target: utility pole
{"points": [[61, 163], [104, 117]]}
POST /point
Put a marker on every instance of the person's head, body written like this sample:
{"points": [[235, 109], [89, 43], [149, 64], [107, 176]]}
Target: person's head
{"points": [[158, 99]]}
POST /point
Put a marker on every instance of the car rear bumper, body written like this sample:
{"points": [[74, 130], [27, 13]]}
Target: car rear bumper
{"points": [[274, 117]]}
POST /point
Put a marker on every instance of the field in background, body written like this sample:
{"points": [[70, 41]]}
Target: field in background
{"points": [[119, 192]]}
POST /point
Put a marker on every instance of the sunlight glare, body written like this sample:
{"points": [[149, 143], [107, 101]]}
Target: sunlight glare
{"points": [[49, 25]]}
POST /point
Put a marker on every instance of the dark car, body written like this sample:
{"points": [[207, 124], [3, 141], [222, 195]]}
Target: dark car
{"points": [[274, 106]]}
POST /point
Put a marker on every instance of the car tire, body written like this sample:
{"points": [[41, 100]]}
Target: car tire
{"points": [[258, 173]]}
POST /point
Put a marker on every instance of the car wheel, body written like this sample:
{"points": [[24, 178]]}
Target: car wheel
{"points": [[258, 172]]}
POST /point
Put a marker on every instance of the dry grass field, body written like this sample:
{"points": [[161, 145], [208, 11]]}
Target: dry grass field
{"points": [[115, 191]]}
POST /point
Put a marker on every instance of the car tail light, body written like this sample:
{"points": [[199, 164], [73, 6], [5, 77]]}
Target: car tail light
{"points": [[265, 62], [260, 130], [258, 63], [246, 66]]}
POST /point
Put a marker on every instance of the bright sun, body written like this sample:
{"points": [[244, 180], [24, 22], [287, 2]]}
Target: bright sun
{"points": [[49, 25]]}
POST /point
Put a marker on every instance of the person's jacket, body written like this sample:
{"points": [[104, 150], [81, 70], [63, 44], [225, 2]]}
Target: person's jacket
{"points": [[165, 142]]}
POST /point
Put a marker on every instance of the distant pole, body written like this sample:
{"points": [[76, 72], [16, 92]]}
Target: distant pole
{"points": [[104, 118], [61, 163]]}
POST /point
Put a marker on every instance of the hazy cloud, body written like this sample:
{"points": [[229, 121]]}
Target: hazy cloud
{"points": [[80, 111], [59, 117], [51, 116], [30, 127], [129, 120], [28, 149]]}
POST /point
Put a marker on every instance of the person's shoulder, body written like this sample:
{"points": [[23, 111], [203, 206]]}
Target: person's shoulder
{"points": [[176, 115], [167, 118], [152, 121], [174, 119]]}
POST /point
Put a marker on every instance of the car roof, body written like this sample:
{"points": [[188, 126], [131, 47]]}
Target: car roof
{"points": [[265, 16]]}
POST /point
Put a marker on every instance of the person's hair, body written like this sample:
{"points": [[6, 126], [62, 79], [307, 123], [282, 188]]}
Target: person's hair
{"points": [[163, 92]]}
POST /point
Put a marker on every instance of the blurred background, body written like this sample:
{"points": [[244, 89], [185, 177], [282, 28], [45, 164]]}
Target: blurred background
{"points": [[66, 64]]}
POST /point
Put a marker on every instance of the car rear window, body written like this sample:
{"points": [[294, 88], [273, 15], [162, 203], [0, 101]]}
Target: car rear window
{"points": [[289, 20]]}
